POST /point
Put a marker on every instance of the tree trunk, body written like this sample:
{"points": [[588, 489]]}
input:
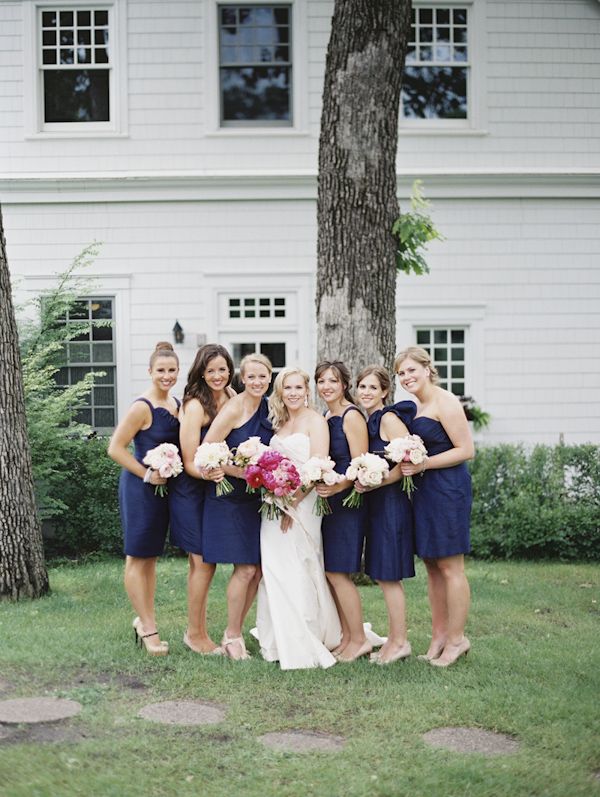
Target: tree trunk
{"points": [[357, 201], [22, 568]]}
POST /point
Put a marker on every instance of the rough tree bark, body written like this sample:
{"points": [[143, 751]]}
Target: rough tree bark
{"points": [[22, 567], [357, 201]]}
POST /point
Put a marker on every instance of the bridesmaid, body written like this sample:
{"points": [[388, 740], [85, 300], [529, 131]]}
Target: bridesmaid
{"points": [[389, 553], [151, 420], [442, 504], [207, 391], [231, 523], [344, 530]]}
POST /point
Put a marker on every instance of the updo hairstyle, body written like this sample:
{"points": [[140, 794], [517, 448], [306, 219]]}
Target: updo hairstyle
{"points": [[419, 355], [382, 376], [163, 349], [255, 357], [341, 372]]}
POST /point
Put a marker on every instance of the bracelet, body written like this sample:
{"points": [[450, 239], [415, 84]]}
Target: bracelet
{"points": [[424, 466], [148, 476]]}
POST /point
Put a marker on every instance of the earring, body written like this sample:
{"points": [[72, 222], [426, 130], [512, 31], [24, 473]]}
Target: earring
{"points": [[306, 401]]}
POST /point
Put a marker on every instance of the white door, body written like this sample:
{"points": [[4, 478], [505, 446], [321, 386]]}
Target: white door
{"points": [[280, 347]]}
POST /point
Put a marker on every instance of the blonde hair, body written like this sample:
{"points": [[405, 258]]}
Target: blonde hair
{"points": [[278, 412], [421, 356], [255, 357]]}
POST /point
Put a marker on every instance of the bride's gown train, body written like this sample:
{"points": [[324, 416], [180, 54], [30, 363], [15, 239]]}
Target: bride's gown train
{"points": [[296, 617]]}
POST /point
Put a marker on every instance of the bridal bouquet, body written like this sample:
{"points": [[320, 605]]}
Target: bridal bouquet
{"points": [[277, 479], [166, 460], [248, 453], [407, 449], [214, 455], [320, 470], [370, 470]]}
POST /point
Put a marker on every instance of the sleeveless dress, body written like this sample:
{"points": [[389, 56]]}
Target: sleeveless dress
{"points": [[231, 523], [389, 554], [344, 530], [144, 515], [442, 502], [186, 505], [296, 618]]}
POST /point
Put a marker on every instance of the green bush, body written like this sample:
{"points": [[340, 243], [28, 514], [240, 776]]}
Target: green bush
{"points": [[536, 503]]}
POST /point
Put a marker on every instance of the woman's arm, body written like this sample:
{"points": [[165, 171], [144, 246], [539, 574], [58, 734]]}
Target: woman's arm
{"points": [[392, 427], [138, 417], [357, 435], [227, 419], [192, 418]]}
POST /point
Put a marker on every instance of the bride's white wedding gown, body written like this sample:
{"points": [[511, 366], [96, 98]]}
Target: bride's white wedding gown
{"points": [[296, 617]]}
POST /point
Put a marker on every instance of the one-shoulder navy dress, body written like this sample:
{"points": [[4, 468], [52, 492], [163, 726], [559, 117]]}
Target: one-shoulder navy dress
{"points": [[144, 515], [344, 530], [186, 505], [231, 523], [442, 502], [389, 553]]}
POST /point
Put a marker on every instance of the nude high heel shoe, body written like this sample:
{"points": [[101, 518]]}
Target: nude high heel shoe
{"points": [[154, 650], [463, 648]]}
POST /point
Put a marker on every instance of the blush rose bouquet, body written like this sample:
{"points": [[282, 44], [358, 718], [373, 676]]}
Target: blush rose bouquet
{"points": [[369, 470], [277, 479], [166, 460], [214, 455], [409, 448], [248, 453], [320, 470]]}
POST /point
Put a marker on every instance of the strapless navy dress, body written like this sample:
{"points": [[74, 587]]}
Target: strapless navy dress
{"points": [[231, 523], [389, 553], [442, 502], [144, 515], [186, 505], [344, 530]]}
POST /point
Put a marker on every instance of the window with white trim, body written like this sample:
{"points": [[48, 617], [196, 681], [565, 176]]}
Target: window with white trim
{"points": [[436, 78], [255, 65], [257, 307], [446, 347], [92, 349]]}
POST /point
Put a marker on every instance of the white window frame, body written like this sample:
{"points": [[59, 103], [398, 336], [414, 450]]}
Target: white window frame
{"points": [[476, 100], [299, 86], [35, 126]]}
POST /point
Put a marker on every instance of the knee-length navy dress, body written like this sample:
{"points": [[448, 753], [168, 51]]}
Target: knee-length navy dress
{"points": [[389, 552], [144, 515], [442, 502], [344, 530], [231, 523], [186, 506]]}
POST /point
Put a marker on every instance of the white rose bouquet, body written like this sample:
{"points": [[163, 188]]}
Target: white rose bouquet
{"points": [[370, 470], [214, 455], [407, 449], [320, 470], [166, 460]]}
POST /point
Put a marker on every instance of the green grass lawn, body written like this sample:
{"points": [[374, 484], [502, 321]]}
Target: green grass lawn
{"points": [[533, 673]]}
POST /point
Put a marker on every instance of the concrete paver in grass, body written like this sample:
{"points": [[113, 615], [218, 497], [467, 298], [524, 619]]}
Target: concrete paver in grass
{"points": [[471, 740], [303, 741], [37, 709], [184, 712]]}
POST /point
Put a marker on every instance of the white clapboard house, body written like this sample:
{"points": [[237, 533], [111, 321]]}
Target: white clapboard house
{"points": [[183, 135]]}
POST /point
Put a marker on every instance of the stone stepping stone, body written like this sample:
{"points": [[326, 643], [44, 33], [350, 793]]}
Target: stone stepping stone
{"points": [[471, 740], [303, 741], [37, 709], [184, 712]]}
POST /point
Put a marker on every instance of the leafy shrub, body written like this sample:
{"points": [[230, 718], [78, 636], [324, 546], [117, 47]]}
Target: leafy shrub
{"points": [[536, 503]]}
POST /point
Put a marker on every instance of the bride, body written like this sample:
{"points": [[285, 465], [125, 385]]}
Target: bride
{"points": [[296, 617]]}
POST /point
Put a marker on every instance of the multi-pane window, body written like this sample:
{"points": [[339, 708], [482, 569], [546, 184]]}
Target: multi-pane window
{"points": [[437, 63], [75, 64], [255, 64], [92, 349], [446, 347], [257, 307]]}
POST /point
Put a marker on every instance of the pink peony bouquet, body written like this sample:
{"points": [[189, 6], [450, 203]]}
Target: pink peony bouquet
{"points": [[370, 470], [407, 449], [277, 479], [248, 453], [214, 455], [320, 470], [166, 460]]}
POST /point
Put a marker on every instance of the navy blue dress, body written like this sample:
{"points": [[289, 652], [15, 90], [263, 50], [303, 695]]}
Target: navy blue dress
{"points": [[442, 502], [186, 505], [344, 530], [389, 554], [231, 523], [144, 515]]}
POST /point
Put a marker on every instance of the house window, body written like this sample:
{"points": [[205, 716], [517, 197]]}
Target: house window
{"points": [[257, 307], [436, 74], [446, 347], [75, 65], [92, 349], [255, 65]]}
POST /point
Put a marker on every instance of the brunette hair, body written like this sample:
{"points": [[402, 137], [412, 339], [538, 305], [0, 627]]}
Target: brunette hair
{"points": [[278, 412], [196, 386], [421, 356], [163, 349], [341, 372], [382, 375], [255, 357]]}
